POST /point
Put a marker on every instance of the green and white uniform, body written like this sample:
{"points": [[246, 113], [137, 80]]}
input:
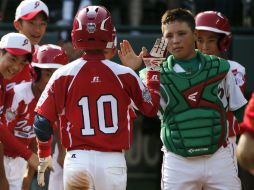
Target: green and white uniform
{"points": [[195, 95]]}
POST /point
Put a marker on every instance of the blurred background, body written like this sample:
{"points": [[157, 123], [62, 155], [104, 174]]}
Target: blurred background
{"points": [[139, 22]]}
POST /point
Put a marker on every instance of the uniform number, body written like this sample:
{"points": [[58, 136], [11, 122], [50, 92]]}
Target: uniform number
{"points": [[88, 130]]}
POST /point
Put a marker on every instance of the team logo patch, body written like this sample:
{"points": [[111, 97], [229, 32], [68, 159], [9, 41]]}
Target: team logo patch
{"points": [[239, 79], [91, 27], [10, 115], [146, 95]]}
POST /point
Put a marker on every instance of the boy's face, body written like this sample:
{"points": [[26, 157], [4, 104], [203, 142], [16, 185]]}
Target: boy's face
{"points": [[45, 76], [33, 29], [207, 42], [181, 40], [10, 64]]}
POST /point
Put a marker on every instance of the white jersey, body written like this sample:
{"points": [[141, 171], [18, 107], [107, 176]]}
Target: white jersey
{"points": [[238, 71]]}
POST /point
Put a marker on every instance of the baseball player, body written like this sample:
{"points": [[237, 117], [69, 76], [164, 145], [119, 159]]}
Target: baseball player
{"points": [[56, 177], [214, 38], [193, 111], [31, 19], [245, 151], [19, 114], [15, 52], [94, 98]]}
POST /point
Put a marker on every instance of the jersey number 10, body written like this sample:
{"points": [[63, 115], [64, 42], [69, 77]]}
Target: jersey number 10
{"points": [[84, 104]]}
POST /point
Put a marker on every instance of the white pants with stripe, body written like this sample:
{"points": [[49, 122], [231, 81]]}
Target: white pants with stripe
{"points": [[100, 170], [216, 172]]}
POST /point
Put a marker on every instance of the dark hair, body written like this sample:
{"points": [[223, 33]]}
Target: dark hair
{"points": [[28, 56], [179, 14], [44, 17]]}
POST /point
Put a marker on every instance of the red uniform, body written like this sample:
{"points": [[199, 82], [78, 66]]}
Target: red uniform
{"points": [[95, 98], [19, 114], [248, 121], [10, 142]]}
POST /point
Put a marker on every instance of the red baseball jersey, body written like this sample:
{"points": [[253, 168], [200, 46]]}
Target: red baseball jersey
{"points": [[9, 141], [95, 98], [248, 120], [240, 78], [19, 114]]}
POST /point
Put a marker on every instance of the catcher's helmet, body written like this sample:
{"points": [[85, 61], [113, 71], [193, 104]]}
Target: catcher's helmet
{"points": [[93, 29], [215, 22]]}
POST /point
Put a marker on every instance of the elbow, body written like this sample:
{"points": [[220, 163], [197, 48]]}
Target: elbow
{"points": [[42, 128]]}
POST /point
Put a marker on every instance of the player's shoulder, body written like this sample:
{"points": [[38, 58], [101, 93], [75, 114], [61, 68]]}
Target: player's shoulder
{"points": [[235, 66], [22, 87], [117, 68], [71, 68], [23, 92]]}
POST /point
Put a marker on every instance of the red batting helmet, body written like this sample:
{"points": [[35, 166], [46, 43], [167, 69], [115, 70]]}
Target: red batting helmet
{"points": [[49, 56], [215, 22], [93, 29]]}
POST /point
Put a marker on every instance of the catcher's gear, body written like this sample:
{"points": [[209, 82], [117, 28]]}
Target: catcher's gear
{"points": [[49, 56], [157, 55], [93, 29], [245, 151], [215, 22], [44, 164]]}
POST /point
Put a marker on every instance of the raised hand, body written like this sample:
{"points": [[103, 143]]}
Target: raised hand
{"points": [[128, 57]]}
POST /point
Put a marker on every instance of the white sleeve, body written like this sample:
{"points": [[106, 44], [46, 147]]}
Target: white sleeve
{"points": [[233, 93]]}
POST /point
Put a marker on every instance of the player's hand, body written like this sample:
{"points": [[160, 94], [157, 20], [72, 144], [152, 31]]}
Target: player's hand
{"points": [[157, 55], [44, 164], [245, 152], [33, 161], [128, 57]]}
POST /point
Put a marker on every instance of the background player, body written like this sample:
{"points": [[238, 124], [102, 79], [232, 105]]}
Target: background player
{"points": [[94, 97], [19, 114], [214, 38], [31, 20], [15, 52]]}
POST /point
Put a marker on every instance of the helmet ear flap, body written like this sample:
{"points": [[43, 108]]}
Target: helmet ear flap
{"points": [[225, 42]]}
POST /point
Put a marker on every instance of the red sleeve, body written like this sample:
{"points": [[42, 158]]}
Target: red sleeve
{"points": [[44, 148], [147, 99], [248, 121], [10, 142]]}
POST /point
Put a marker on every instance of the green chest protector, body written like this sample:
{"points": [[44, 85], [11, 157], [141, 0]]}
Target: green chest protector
{"points": [[194, 121]]}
